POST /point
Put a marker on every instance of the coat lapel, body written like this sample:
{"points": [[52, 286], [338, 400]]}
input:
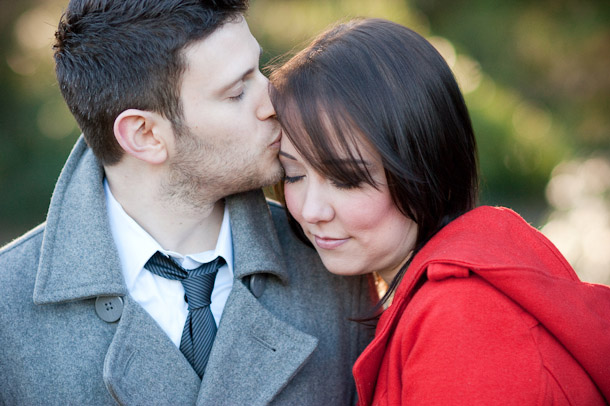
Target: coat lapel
{"points": [[144, 367], [250, 338]]}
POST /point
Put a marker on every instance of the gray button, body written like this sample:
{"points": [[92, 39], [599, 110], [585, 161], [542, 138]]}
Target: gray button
{"points": [[257, 284], [109, 308]]}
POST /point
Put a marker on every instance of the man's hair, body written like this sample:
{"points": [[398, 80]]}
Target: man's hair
{"points": [[113, 55]]}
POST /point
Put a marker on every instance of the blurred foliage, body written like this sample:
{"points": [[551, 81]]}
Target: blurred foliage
{"points": [[535, 76], [36, 128], [549, 61]]}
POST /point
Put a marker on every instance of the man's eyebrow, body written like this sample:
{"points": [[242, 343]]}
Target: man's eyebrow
{"points": [[243, 76]]}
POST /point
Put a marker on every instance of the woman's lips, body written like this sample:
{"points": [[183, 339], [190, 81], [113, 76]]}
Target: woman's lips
{"points": [[329, 243]]}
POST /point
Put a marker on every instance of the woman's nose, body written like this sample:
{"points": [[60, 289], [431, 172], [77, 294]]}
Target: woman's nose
{"points": [[316, 207]]}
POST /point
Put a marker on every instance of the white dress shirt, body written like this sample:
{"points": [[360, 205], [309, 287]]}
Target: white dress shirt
{"points": [[163, 298]]}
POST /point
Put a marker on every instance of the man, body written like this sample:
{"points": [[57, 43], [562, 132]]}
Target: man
{"points": [[177, 128]]}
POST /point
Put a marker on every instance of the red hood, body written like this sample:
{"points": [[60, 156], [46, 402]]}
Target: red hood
{"points": [[500, 247]]}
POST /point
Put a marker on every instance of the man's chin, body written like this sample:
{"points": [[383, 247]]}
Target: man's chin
{"points": [[274, 175], [265, 178]]}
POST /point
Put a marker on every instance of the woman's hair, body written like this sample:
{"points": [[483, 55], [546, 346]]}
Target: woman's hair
{"points": [[380, 85]]}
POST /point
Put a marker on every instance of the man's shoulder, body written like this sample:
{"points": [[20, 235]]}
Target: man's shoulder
{"points": [[279, 216], [19, 265], [275, 207], [290, 241], [28, 244]]}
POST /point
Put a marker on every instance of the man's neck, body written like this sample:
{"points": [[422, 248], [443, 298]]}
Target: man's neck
{"points": [[174, 225]]}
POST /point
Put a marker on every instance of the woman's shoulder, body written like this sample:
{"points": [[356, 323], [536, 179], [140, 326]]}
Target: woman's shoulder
{"points": [[461, 337], [465, 303]]}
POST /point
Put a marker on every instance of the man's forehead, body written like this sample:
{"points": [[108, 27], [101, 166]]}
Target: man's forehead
{"points": [[223, 56]]}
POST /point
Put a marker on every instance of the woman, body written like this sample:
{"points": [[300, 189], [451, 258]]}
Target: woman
{"points": [[381, 176]]}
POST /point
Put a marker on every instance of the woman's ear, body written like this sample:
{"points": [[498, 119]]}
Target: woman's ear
{"points": [[142, 134]]}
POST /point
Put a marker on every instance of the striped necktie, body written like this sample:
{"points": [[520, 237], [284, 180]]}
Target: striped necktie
{"points": [[200, 328]]}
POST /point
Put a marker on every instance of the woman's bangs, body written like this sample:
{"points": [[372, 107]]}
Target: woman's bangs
{"points": [[329, 141]]}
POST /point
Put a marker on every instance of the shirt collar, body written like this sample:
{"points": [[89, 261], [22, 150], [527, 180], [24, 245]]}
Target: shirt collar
{"points": [[135, 245]]}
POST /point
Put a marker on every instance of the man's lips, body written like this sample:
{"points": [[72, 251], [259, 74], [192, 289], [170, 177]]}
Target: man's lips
{"points": [[276, 142], [329, 243]]}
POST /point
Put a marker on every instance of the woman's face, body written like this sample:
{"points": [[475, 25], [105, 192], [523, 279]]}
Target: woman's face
{"points": [[356, 230]]}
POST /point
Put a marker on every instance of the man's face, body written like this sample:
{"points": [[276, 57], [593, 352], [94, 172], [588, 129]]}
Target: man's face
{"points": [[229, 138]]}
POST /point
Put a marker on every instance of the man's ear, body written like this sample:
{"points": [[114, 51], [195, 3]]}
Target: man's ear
{"points": [[142, 134]]}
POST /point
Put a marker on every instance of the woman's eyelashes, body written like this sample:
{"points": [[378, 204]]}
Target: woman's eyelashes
{"points": [[293, 179], [346, 185], [335, 183]]}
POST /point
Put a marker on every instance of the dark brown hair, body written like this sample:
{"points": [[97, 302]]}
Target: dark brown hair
{"points": [[113, 55], [379, 81]]}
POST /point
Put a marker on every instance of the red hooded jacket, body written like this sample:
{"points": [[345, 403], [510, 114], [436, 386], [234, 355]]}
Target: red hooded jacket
{"points": [[489, 313]]}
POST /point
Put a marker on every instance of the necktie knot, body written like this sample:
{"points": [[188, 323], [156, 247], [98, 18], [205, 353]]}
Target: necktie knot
{"points": [[199, 283]]}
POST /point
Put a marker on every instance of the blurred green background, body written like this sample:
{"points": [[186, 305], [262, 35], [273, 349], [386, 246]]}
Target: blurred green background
{"points": [[535, 74]]}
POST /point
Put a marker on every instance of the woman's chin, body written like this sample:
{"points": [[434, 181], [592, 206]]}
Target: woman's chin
{"points": [[342, 270]]}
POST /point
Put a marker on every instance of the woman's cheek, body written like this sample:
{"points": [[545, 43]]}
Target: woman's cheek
{"points": [[293, 202]]}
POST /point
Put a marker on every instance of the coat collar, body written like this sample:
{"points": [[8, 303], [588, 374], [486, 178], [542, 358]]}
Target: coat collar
{"points": [[256, 246], [79, 258]]}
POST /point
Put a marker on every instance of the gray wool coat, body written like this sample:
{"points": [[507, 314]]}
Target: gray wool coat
{"points": [[286, 342]]}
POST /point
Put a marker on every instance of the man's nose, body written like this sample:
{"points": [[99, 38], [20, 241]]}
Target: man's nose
{"points": [[265, 109]]}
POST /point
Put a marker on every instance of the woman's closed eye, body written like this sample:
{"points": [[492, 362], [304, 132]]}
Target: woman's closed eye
{"points": [[293, 179], [335, 183], [346, 185]]}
